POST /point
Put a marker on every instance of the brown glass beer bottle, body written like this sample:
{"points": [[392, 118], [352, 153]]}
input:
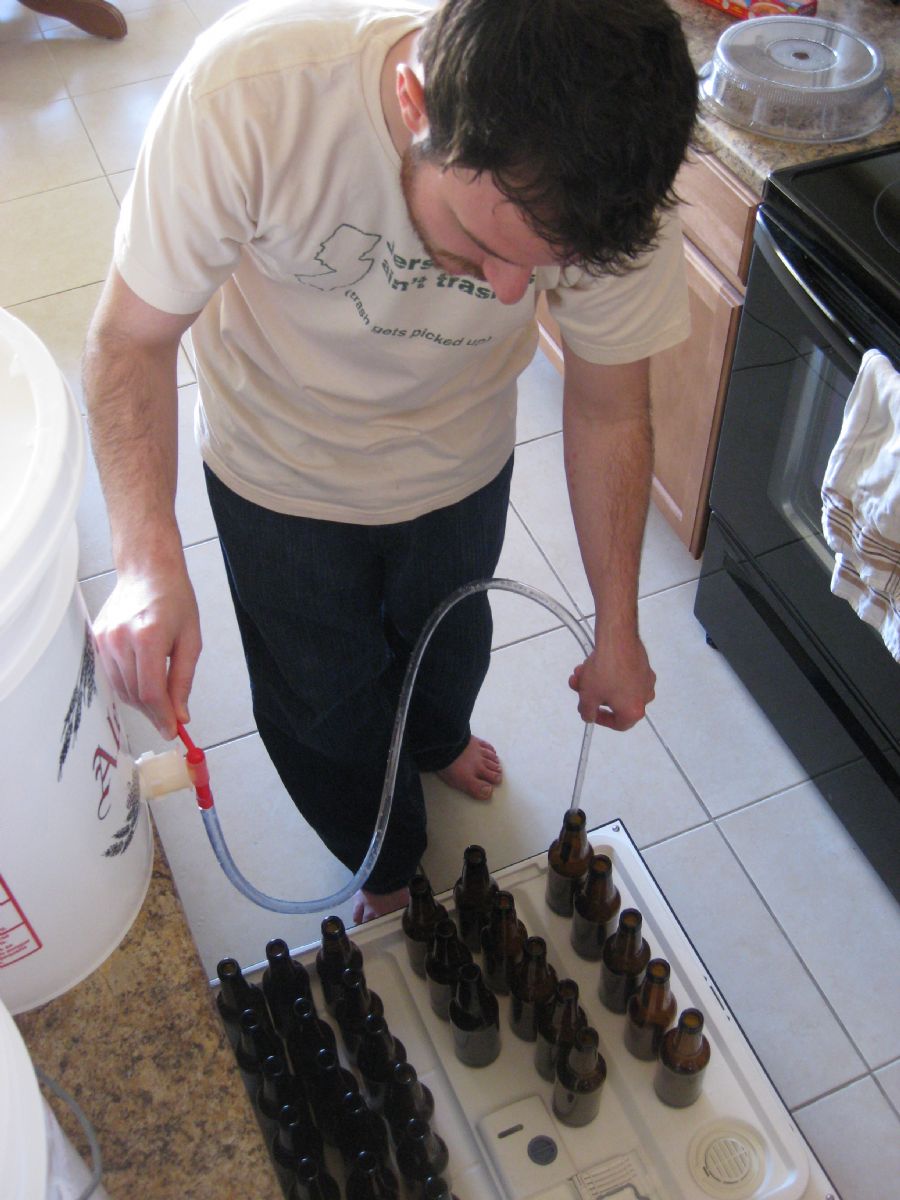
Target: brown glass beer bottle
{"points": [[328, 1084], [579, 1077], [306, 1035], [283, 981], [295, 1138], [683, 1058], [651, 1011], [594, 907], [336, 954], [473, 895], [421, 1153], [532, 987], [355, 1002], [369, 1179], [235, 995], [475, 1018], [360, 1128], [436, 1187], [557, 1026], [377, 1055], [568, 860], [446, 954], [312, 1182], [406, 1097], [502, 942], [625, 958], [419, 920]]}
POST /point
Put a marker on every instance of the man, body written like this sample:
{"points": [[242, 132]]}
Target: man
{"points": [[355, 207]]}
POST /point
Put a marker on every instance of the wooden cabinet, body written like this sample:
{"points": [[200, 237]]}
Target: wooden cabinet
{"points": [[688, 382]]}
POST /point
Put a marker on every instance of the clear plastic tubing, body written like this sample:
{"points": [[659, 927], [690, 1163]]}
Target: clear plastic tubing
{"points": [[211, 819]]}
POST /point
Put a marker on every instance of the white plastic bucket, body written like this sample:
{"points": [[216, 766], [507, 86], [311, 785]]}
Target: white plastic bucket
{"points": [[75, 844], [23, 1137], [37, 1160]]}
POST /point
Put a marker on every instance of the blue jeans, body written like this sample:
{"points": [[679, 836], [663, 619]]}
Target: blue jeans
{"points": [[329, 613]]}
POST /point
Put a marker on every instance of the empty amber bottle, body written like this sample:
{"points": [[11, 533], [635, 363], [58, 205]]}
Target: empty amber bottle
{"points": [[256, 1043], [594, 908], [683, 1058], [568, 860], [532, 987], [580, 1075], [502, 942], [446, 954], [312, 1182], [370, 1179], [420, 917], [234, 996], [277, 1087], [295, 1138], [377, 1055], [355, 1002], [328, 1084], [406, 1097], [283, 981], [473, 895], [437, 1188], [650, 1012], [420, 1153], [336, 954], [625, 958], [556, 1028], [360, 1128], [475, 1018], [305, 1036]]}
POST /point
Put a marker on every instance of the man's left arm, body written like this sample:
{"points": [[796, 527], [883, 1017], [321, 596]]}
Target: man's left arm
{"points": [[608, 445]]}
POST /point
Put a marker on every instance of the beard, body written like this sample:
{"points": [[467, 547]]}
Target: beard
{"points": [[410, 164]]}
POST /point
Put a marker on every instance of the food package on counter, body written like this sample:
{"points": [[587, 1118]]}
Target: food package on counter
{"points": [[741, 9]]}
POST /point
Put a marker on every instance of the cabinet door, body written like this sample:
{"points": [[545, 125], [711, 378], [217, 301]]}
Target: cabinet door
{"points": [[687, 390]]}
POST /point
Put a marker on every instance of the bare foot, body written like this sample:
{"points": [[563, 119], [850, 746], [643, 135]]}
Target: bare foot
{"points": [[369, 905], [476, 771]]}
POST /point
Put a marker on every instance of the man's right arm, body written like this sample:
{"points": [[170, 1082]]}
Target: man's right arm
{"points": [[148, 632]]}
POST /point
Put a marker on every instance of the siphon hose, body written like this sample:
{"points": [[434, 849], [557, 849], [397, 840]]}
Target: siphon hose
{"points": [[320, 904]]}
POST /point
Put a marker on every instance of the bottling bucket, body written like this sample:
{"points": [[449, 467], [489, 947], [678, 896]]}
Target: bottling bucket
{"points": [[75, 844]]}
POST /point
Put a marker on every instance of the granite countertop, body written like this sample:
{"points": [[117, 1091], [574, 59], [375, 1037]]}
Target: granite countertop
{"points": [[140, 1046], [752, 157], [139, 1043]]}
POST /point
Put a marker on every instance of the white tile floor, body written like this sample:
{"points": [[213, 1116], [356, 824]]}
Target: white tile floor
{"points": [[797, 930]]}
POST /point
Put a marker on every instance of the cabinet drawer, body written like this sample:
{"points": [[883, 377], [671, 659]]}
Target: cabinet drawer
{"points": [[717, 214]]}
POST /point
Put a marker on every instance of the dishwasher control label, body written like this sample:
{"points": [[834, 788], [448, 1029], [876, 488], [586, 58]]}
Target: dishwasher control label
{"points": [[17, 938]]}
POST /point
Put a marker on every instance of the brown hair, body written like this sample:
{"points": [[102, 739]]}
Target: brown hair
{"points": [[580, 110]]}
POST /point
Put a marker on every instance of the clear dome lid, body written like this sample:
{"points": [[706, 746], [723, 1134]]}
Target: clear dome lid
{"points": [[801, 79]]}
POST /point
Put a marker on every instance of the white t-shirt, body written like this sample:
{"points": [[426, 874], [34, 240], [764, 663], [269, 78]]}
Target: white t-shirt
{"points": [[341, 375]]}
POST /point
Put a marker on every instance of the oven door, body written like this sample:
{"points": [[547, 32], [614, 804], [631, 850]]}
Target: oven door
{"points": [[823, 676]]}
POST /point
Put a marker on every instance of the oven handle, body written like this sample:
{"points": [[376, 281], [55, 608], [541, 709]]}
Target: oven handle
{"points": [[810, 304]]}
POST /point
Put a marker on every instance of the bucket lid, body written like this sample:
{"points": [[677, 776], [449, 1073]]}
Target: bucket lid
{"points": [[23, 1137], [41, 462]]}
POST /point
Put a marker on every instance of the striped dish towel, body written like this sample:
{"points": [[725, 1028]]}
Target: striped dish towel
{"points": [[861, 499]]}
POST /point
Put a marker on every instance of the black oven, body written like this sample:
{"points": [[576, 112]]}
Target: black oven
{"points": [[824, 287]]}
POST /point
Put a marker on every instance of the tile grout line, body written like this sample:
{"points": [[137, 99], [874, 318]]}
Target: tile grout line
{"points": [[795, 951]]}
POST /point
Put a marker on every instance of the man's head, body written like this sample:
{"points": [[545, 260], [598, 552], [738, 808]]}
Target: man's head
{"points": [[578, 111]]}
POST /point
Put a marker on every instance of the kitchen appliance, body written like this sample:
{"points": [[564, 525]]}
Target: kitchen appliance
{"points": [[505, 1143], [824, 287]]}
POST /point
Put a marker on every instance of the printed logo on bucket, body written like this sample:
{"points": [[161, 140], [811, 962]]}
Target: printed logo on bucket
{"points": [[106, 757]]}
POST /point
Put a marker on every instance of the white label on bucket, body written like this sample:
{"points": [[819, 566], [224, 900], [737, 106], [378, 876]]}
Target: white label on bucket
{"points": [[17, 938]]}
